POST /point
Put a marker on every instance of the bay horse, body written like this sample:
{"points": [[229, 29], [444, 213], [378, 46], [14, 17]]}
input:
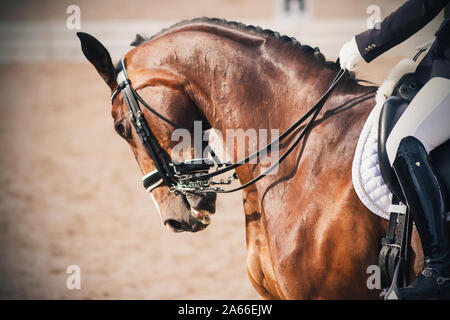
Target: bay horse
{"points": [[308, 235]]}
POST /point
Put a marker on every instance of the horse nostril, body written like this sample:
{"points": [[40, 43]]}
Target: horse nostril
{"points": [[175, 226]]}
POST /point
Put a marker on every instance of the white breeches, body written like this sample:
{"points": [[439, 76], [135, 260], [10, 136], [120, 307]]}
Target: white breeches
{"points": [[427, 118]]}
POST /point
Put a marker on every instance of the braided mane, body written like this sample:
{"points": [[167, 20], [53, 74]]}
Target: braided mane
{"points": [[315, 52]]}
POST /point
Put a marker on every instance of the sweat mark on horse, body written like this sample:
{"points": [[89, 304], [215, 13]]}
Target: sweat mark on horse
{"points": [[308, 234]]}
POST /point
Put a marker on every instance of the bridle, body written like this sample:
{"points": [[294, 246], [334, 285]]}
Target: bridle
{"points": [[194, 175]]}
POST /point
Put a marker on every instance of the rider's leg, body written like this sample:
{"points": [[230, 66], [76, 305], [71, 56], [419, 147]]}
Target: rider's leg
{"points": [[424, 126], [426, 118]]}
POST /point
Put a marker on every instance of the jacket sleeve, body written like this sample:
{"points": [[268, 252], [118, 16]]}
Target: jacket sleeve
{"points": [[397, 27]]}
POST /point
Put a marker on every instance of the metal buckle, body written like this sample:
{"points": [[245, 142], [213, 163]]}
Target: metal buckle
{"points": [[427, 272], [442, 280]]}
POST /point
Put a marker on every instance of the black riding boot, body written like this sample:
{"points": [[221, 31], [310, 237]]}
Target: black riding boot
{"points": [[426, 204]]}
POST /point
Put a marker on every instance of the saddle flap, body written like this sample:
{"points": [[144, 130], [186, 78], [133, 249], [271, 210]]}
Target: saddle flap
{"points": [[390, 113], [403, 93]]}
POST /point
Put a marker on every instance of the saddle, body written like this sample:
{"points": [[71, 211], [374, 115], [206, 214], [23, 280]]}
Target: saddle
{"points": [[395, 252], [393, 108]]}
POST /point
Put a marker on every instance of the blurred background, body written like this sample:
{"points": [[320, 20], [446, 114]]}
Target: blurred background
{"points": [[70, 191]]}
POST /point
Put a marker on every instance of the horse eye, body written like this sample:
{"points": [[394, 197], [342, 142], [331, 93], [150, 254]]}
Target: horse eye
{"points": [[120, 128]]}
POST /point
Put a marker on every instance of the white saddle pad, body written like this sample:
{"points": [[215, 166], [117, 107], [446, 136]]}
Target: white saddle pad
{"points": [[367, 180]]}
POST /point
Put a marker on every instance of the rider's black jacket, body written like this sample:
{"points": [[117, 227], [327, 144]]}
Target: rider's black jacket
{"points": [[403, 23]]}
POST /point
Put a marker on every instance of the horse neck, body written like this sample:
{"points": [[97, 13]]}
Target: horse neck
{"points": [[270, 89], [245, 81]]}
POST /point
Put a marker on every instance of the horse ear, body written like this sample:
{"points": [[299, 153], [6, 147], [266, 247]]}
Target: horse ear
{"points": [[97, 54]]}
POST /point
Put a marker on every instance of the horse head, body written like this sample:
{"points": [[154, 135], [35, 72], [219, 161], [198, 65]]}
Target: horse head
{"points": [[163, 90]]}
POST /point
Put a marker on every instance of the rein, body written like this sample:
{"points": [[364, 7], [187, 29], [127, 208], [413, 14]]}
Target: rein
{"points": [[194, 175]]}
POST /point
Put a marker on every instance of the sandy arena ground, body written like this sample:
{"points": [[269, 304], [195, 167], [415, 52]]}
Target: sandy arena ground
{"points": [[71, 194]]}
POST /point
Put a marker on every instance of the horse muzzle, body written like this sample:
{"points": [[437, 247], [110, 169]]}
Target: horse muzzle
{"points": [[188, 212], [197, 220]]}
